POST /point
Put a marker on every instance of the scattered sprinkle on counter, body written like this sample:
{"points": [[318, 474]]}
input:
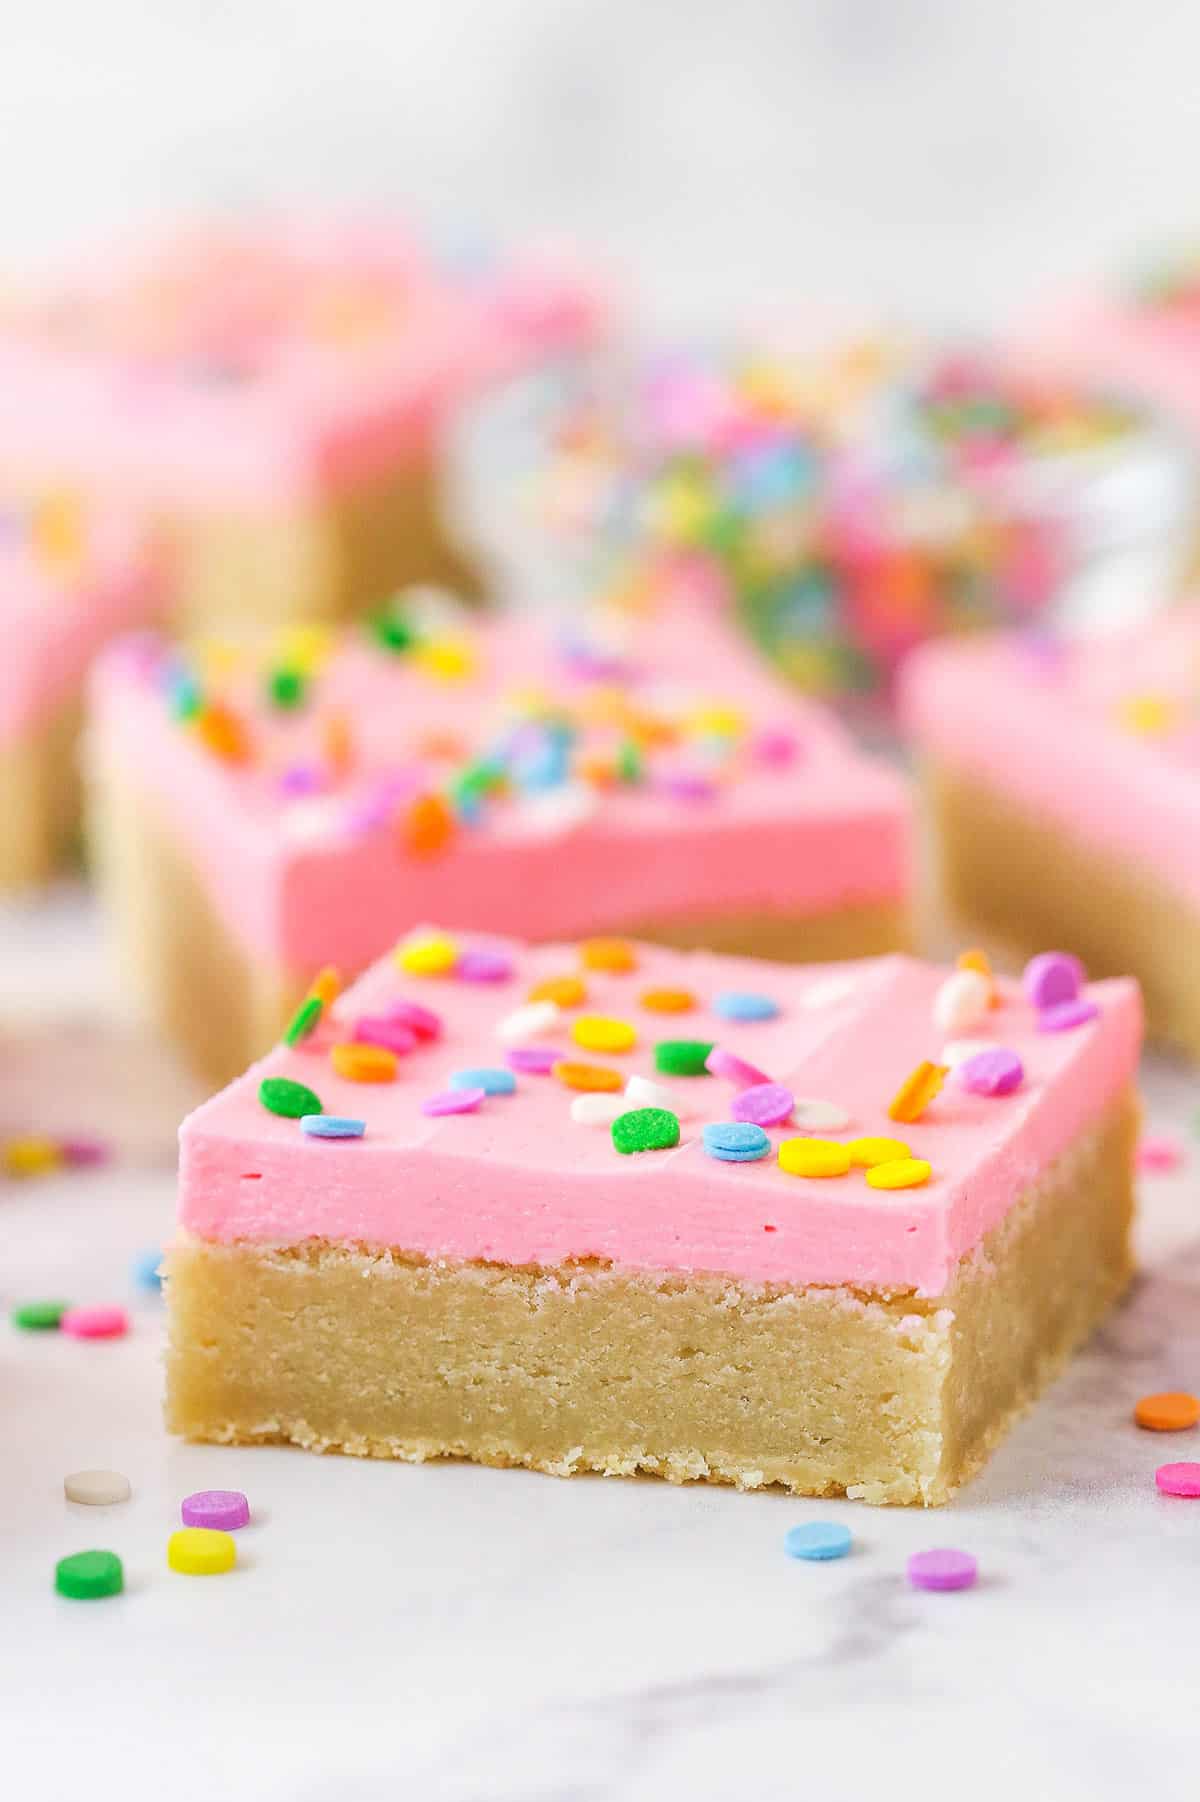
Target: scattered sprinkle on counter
{"points": [[201, 1552], [817, 1541], [1171, 1412], [39, 1316], [1181, 1480], [942, 1568], [225, 1510], [97, 1488], [89, 1576], [95, 1322]]}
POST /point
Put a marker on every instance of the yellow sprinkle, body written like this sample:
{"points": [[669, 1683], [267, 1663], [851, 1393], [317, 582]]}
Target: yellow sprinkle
{"points": [[588, 1077], [814, 1157], [1149, 714], [717, 722], [616, 955], [594, 1032], [917, 1091], [201, 1551], [30, 1156], [431, 955], [668, 1001], [564, 991], [877, 1151], [450, 659], [218, 657], [899, 1173], [58, 531], [326, 985], [363, 1063], [305, 648]]}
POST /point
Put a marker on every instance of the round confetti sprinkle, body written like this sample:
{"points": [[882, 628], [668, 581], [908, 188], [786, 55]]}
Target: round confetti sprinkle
{"points": [[736, 1142], [145, 1269], [332, 1126], [484, 964], [874, 1150], [201, 1552], [813, 1157], [735, 1069], [87, 1576], [1159, 1152], [304, 1020], [614, 955], [427, 955], [1066, 1015], [529, 1022], [682, 1057], [280, 1095], [97, 1488], [817, 1540], [598, 1110], [30, 1155], [84, 1153], [1179, 1479], [668, 1001], [595, 1078], [962, 1001], [942, 1568], [492, 1082], [594, 1032], [645, 1129], [899, 1173], [763, 1104], [95, 1323], [957, 1051], [643, 1091], [361, 1063], [564, 991], [39, 1316], [393, 1035], [1051, 978], [744, 1004], [995, 1072], [813, 1115], [1170, 1412], [224, 1510], [453, 1101], [532, 1060], [421, 1020]]}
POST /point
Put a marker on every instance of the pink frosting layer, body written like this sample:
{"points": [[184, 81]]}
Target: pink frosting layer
{"points": [[1101, 735], [305, 881], [1152, 353], [520, 1182]]}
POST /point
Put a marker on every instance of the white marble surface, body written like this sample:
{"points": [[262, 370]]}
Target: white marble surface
{"points": [[453, 1634]]}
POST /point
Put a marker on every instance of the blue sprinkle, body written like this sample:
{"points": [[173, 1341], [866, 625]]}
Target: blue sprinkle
{"points": [[492, 1082], [743, 1004], [332, 1126], [817, 1540], [736, 1141], [144, 1269]]}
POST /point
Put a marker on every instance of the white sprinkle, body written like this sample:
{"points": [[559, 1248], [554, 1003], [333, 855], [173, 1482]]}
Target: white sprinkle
{"points": [[553, 812], [311, 821], [957, 1051], [829, 992], [962, 1001], [813, 1115], [529, 1022], [598, 1110], [640, 1091], [98, 1488]]}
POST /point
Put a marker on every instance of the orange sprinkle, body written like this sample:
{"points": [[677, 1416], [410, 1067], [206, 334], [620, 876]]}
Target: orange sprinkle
{"points": [[616, 955], [564, 991], [917, 1091], [364, 1063], [668, 1001], [427, 826], [448, 746], [337, 742], [222, 732], [1168, 1413], [326, 985], [601, 772], [981, 963], [590, 1078]]}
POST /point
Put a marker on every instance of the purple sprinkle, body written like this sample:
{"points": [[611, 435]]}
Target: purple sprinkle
{"points": [[374, 1029], [993, 1072], [483, 965], [223, 1509], [453, 1101], [688, 785], [942, 1568], [421, 1020], [376, 808], [532, 1060], [84, 1153], [733, 1068], [301, 779], [1051, 977], [1067, 1014], [775, 746], [766, 1104]]}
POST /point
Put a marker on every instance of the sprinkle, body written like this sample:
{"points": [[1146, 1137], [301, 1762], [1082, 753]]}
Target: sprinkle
{"points": [[145, 1269], [645, 1129], [222, 1510], [814, 1115], [39, 1316], [957, 1051], [87, 1576], [385, 1030], [614, 955], [532, 1060], [1159, 1152], [1052, 977], [427, 954], [642, 1091], [362, 1063], [962, 1001], [870, 1151], [981, 963], [942, 1568], [1067, 1014], [1170, 1412], [421, 1020], [97, 1488], [995, 1072], [491, 1081], [326, 985], [201, 1552], [427, 826], [916, 1092], [682, 1057], [82, 1153], [95, 1323], [744, 1004], [763, 1104], [222, 732], [453, 1101], [595, 1032], [668, 1001], [735, 1069], [484, 964], [564, 991], [813, 1157], [597, 1110], [774, 746], [337, 742], [817, 1540], [529, 1022], [736, 1141], [587, 1076], [304, 1020], [286, 688], [280, 1095], [31, 1155], [332, 1126], [899, 1173], [1179, 1479]]}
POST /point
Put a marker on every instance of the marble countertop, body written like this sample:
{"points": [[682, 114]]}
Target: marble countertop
{"points": [[456, 1634]]}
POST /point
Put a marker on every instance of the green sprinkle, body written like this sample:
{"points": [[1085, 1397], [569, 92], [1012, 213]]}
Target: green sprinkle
{"points": [[392, 632], [630, 762], [286, 687], [86, 1576], [186, 698], [682, 1057], [291, 1099], [303, 1020], [39, 1316], [645, 1129]]}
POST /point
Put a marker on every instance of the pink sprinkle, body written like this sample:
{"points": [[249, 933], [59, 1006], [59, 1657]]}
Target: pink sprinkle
{"points": [[453, 1101], [484, 965], [775, 746], [942, 1568], [95, 1323], [1179, 1479], [735, 1069], [1158, 1151], [375, 1029], [532, 1060], [1051, 978], [1066, 1015], [422, 1020], [766, 1104], [995, 1072], [84, 1153]]}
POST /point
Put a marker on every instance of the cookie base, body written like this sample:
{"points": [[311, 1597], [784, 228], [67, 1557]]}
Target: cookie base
{"points": [[40, 809]]}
